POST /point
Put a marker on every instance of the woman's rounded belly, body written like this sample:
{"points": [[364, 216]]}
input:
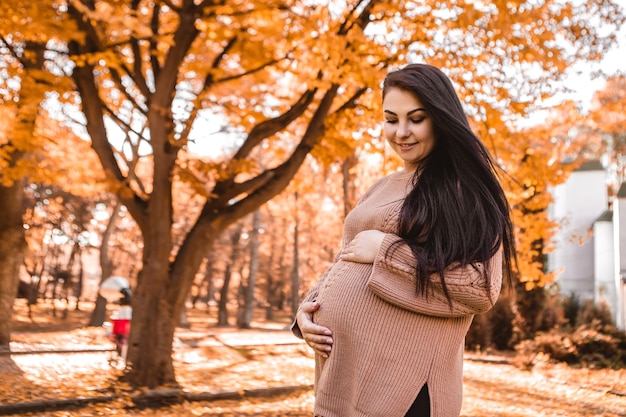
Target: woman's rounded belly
{"points": [[344, 290]]}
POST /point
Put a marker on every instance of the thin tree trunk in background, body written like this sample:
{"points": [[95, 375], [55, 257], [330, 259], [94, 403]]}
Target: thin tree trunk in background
{"points": [[241, 292], [81, 281], [183, 319], [276, 277], [12, 246], [106, 267], [248, 306], [348, 183], [209, 297], [295, 273], [207, 282], [269, 287], [222, 312], [106, 264]]}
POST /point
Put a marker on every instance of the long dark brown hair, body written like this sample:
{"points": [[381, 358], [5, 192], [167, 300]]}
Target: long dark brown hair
{"points": [[457, 211]]}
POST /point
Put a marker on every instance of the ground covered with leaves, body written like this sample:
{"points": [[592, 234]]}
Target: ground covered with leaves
{"points": [[264, 371]]}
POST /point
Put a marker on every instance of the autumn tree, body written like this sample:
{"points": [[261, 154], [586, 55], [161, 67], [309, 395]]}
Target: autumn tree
{"points": [[14, 157], [284, 79], [552, 149], [604, 129], [543, 159], [27, 79], [201, 56]]}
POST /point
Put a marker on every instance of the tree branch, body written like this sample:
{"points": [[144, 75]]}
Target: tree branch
{"points": [[251, 71], [272, 181], [208, 81], [352, 101], [93, 109], [269, 127], [154, 25], [186, 33], [137, 72]]}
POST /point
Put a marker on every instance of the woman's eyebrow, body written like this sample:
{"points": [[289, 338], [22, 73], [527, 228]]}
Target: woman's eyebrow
{"points": [[408, 114]]}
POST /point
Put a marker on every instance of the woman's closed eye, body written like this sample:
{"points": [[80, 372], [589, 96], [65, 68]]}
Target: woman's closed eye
{"points": [[415, 121]]}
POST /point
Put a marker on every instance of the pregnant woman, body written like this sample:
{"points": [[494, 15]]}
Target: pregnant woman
{"points": [[424, 251]]}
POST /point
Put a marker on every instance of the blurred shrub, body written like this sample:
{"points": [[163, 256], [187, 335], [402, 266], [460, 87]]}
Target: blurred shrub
{"points": [[595, 342], [493, 329], [553, 314], [568, 330], [593, 345], [591, 312], [571, 308]]}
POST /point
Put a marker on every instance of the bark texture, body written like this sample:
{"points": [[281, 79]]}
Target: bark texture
{"points": [[11, 253]]}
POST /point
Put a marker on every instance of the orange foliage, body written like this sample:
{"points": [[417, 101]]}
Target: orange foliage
{"points": [[605, 129], [535, 159]]}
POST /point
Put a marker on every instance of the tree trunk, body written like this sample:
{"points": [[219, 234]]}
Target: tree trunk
{"points": [[349, 199], [209, 297], [155, 316], [295, 274], [12, 246], [12, 241], [106, 264], [222, 309], [80, 283], [151, 333], [160, 291], [183, 319], [249, 301], [269, 285], [204, 290], [275, 281], [98, 315]]}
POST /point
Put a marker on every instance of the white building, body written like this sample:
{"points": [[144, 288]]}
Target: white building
{"points": [[590, 247]]}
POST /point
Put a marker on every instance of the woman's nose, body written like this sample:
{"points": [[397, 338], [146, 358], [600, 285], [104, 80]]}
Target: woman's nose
{"points": [[403, 130]]}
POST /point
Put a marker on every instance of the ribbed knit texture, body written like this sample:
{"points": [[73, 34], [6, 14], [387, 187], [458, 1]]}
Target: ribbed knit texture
{"points": [[388, 340]]}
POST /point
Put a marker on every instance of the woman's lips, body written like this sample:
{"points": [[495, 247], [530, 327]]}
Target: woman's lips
{"points": [[405, 145]]}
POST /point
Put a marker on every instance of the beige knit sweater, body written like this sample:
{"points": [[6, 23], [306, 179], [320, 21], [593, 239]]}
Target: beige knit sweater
{"points": [[388, 341]]}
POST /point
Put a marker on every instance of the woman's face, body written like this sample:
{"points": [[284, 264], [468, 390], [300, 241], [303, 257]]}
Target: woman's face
{"points": [[408, 127]]}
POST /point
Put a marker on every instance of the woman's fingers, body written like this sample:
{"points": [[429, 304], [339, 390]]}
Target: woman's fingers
{"points": [[317, 337], [321, 344], [321, 349], [364, 247], [309, 307]]}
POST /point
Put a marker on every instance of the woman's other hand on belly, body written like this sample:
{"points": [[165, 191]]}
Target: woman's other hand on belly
{"points": [[317, 337], [364, 247]]}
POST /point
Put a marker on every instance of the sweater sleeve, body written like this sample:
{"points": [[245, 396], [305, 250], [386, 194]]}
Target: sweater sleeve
{"points": [[393, 280]]}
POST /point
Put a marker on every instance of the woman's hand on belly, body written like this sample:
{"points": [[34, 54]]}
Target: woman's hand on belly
{"points": [[318, 337], [364, 247]]}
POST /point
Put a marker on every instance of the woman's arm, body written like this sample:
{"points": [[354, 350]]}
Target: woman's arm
{"points": [[393, 280]]}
